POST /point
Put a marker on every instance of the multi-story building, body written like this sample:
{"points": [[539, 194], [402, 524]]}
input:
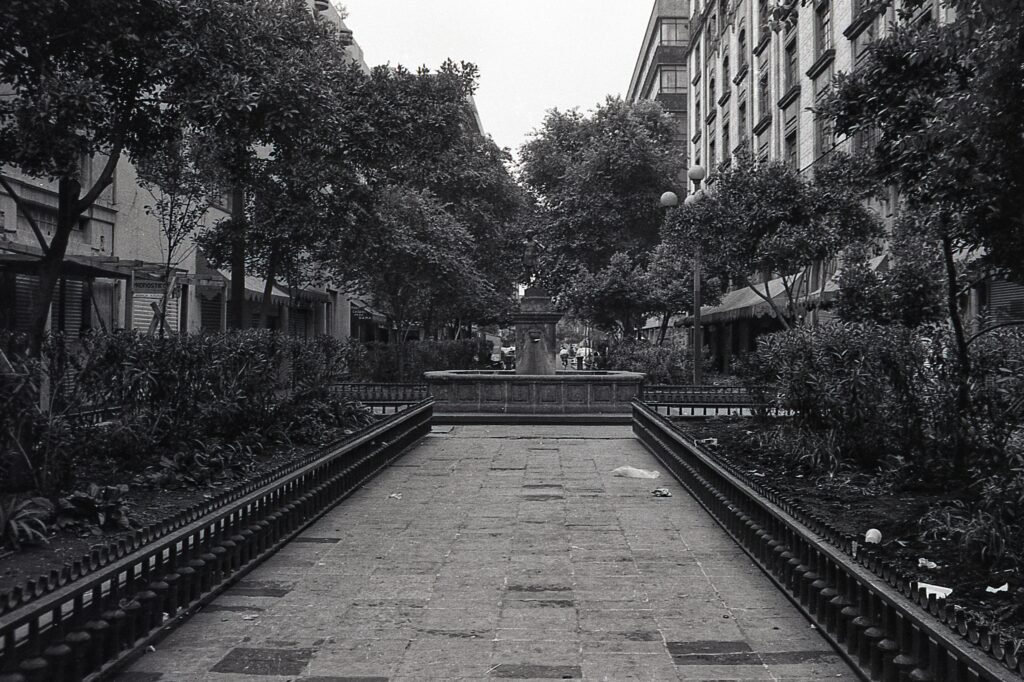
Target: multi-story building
{"points": [[661, 68], [757, 69], [113, 275], [660, 74]]}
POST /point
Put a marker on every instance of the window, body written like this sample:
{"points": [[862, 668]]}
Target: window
{"points": [[696, 111], [46, 220], [726, 75], [864, 40], [741, 49], [726, 147], [742, 118], [672, 79], [823, 27], [723, 11], [673, 32], [712, 24], [762, 19], [763, 99], [712, 157], [790, 66], [790, 152], [824, 135], [711, 94]]}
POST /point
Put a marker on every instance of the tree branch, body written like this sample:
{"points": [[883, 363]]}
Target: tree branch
{"points": [[766, 297], [24, 209], [106, 177]]}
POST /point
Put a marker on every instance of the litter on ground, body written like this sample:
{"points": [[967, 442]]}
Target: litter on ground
{"points": [[633, 472], [661, 492], [939, 591], [1004, 588]]}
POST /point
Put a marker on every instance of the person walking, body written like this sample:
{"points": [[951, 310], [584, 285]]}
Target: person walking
{"points": [[564, 356]]}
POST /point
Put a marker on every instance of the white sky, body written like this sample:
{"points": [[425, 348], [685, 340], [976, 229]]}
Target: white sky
{"points": [[533, 54]]}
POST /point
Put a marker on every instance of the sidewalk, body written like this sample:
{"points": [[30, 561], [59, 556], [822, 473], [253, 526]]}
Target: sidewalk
{"points": [[504, 552]]}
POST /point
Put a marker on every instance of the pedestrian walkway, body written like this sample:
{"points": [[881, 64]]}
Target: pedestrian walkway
{"points": [[504, 552]]}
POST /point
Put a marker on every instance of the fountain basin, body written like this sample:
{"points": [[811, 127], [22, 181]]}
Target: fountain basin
{"points": [[505, 392]]}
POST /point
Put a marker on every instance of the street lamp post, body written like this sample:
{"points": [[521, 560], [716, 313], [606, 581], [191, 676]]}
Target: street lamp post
{"points": [[696, 174], [669, 199]]}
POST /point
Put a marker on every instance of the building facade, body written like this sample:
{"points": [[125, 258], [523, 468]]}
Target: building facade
{"points": [[114, 271], [757, 70], [660, 72]]}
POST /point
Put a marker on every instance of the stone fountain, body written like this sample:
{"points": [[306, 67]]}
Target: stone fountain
{"points": [[535, 387]]}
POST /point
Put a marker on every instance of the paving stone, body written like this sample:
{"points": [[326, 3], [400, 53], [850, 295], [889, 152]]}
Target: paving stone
{"points": [[513, 554]]}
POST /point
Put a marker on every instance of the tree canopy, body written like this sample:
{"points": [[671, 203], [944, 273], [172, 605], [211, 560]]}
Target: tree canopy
{"points": [[597, 179], [944, 103], [768, 219]]}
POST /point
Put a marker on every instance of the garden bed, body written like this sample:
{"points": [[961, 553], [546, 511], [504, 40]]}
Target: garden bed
{"points": [[146, 504], [854, 503]]}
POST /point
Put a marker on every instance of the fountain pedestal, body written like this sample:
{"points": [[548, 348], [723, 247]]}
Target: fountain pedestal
{"points": [[535, 389], [535, 333]]}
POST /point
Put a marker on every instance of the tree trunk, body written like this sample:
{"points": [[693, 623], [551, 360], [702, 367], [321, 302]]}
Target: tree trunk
{"points": [[51, 267], [664, 328], [236, 309], [268, 289], [963, 388], [766, 297]]}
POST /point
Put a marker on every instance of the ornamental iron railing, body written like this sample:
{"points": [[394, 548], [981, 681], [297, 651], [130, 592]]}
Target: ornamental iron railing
{"points": [[886, 625], [89, 619]]}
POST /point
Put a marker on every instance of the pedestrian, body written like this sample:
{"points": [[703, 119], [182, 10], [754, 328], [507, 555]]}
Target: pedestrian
{"points": [[564, 355], [581, 353], [595, 362]]}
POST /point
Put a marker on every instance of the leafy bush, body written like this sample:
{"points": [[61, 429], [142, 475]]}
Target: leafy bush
{"points": [[866, 389], [379, 361], [100, 506], [882, 399], [23, 521], [672, 364], [189, 399]]}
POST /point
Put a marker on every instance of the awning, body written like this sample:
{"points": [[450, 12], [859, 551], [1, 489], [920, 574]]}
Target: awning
{"points": [[254, 288], [73, 266], [744, 303], [312, 295], [361, 310]]}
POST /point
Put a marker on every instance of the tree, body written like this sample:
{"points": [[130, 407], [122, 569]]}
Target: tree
{"points": [[766, 218], [946, 104], [597, 180], [277, 95], [413, 256], [908, 292], [180, 193], [668, 282], [83, 79]]}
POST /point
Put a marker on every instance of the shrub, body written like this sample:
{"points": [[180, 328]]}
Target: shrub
{"points": [[24, 520], [869, 390], [672, 364], [882, 398], [376, 361], [170, 393]]}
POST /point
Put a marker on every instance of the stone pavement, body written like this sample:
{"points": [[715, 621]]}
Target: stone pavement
{"points": [[503, 552]]}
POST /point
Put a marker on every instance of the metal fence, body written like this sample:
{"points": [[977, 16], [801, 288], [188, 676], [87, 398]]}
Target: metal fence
{"points": [[703, 401], [879, 619], [384, 398], [85, 621]]}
